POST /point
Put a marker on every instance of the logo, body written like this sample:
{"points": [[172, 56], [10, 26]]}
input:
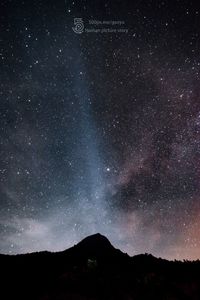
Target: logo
{"points": [[79, 25]]}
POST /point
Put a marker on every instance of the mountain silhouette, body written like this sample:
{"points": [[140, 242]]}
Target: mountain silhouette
{"points": [[95, 243], [94, 269], [97, 246]]}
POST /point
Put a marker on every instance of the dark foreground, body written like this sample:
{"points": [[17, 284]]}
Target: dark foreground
{"points": [[94, 269]]}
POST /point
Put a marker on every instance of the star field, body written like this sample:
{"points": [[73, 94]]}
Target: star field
{"points": [[100, 132]]}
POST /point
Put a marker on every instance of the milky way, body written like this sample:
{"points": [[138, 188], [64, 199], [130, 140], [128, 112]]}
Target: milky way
{"points": [[100, 130]]}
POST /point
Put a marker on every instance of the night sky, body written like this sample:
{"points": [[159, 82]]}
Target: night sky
{"points": [[100, 125]]}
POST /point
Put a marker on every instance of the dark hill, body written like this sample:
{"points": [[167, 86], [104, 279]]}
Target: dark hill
{"points": [[96, 243], [94, 269]]}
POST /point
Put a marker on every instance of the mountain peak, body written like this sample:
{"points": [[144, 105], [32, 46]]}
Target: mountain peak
{"points": [[96, 244], [96, 239]]}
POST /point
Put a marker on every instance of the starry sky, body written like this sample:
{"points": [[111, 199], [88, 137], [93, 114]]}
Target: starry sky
{"points": [[100, 125]]}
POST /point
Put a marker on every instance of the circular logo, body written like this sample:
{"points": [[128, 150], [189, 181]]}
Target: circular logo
{"points": [[79, 25]]}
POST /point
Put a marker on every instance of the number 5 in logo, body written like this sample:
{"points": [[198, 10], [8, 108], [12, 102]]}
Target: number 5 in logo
{"points": [[79, 25]]}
